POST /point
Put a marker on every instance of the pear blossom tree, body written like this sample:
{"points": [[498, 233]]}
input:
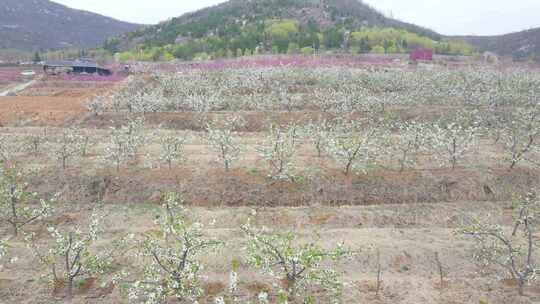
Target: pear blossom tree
{"points": [[355, 147], [68, 146], [299, 266], [17, 205], [318, 133], [411, 139], [124, 142], [222, 140], [96, 106], [511, 250], [34, 143], [522, 135], [72, 254], [118, 150], [86, 141], [279, 151], [134, 132], [494, 123], [172, 267], [172, 149], [452, 142]]}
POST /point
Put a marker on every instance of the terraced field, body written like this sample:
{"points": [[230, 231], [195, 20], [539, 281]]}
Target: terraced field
{"points": [[395, 163]]}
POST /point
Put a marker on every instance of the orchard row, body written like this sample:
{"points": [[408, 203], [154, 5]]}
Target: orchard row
{"points": [[354, 145], [328, 89], [167, 262]]}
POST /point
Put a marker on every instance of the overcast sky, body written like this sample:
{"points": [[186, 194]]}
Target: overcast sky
{"points": [[451, 17]]}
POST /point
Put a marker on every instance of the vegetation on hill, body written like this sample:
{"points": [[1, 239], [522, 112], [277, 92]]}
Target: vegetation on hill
{"points": [[238, 28]]}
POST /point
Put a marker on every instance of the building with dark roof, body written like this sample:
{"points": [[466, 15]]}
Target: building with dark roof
{"points": [[79, 66]]}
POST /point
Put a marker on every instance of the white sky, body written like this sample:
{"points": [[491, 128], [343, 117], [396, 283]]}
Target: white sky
{"points": [[451, 17]]}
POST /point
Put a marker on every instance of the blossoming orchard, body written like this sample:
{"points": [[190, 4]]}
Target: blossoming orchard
{"points": [[320, 182]]}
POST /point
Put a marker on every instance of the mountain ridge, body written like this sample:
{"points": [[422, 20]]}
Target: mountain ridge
{"points": [[311, 9], [44, 24], [522, 45]]}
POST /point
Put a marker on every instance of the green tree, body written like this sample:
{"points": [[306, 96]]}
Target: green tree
{"points": [[307, 51], [282, 33], [37, 57], [293, 48], [333, 38], [378, 49]]}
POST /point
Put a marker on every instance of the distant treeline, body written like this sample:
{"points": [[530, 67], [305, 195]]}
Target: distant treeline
{"points": [[269, 37], [277, 37], [14, 56]]}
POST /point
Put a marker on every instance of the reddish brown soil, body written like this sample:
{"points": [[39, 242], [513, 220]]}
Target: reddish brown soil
{"points": [[39, 110], [50, 103], [240, 187], [256, 121]]}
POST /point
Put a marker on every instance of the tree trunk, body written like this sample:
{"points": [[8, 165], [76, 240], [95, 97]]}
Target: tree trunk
{"points": [[319, 149], [514, 163], [348, 168], [402, 162], [15, 217], [69, 290], [15, 230], [454, 159], [291, 289], [521, 286]]}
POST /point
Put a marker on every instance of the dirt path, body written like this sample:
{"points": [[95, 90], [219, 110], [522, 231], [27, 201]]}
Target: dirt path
{"points": [[18, 88]]}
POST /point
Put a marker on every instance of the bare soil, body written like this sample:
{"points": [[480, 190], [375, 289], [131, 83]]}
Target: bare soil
{"points": [[406, 235]]}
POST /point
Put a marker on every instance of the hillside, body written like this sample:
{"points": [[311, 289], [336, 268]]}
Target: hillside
{"points": [[522, 45], [280, 26], [42, 24], [234, 13]]}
